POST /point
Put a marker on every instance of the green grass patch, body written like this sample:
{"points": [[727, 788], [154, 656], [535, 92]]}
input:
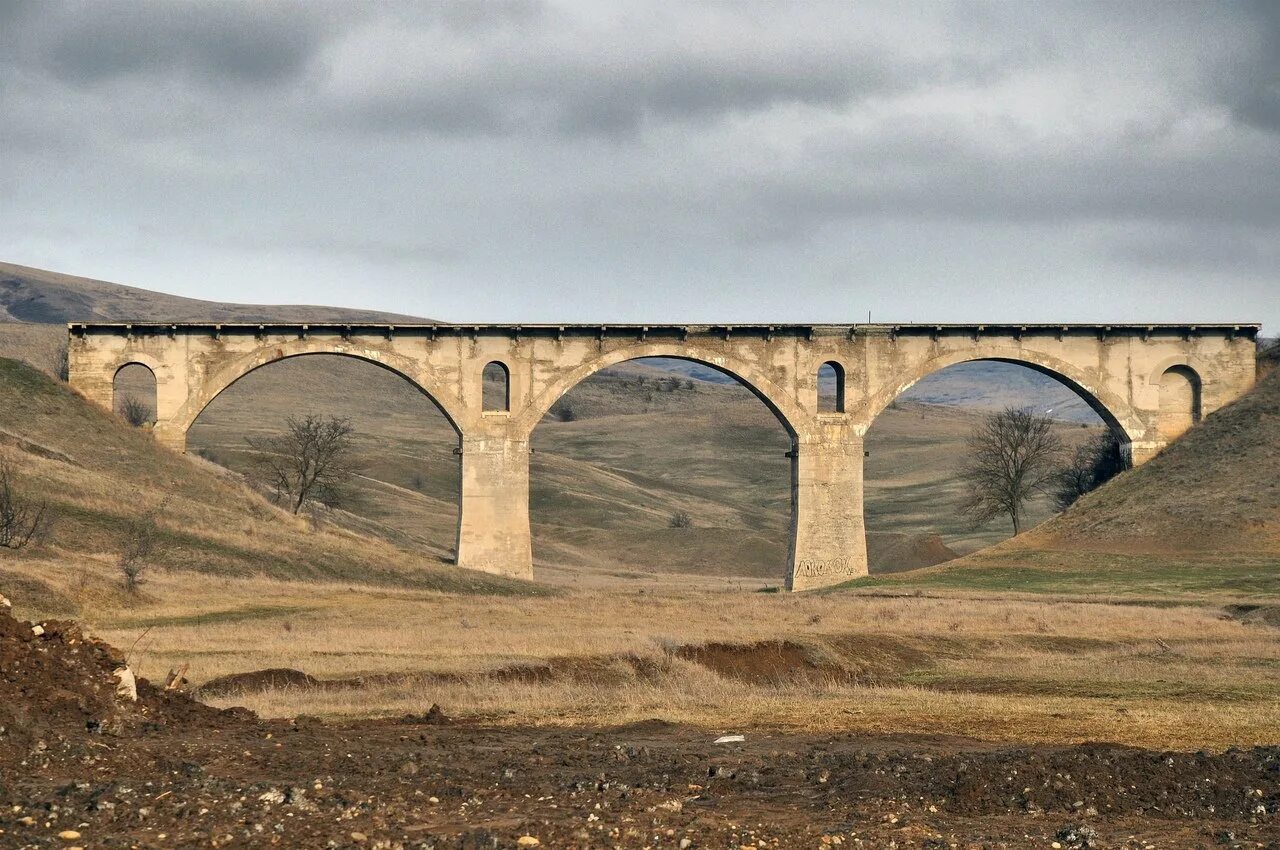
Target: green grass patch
{"points": [[1096, 574], [205, 618]]}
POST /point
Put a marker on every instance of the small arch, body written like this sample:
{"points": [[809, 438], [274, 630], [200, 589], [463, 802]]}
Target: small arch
{"points": [[626, 505], [831, 387], [1180, 404], [134, 394], [496, 387]]}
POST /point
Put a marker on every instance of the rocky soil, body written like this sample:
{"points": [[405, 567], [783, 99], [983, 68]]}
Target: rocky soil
{"points": [[81, 766]]}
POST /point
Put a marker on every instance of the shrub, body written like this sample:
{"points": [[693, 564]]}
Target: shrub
{"points": [[139, 546], [21, 520], [135, 411]]}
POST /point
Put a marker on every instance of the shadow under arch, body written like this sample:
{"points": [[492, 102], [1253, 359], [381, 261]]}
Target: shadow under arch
{"points": [[787, 411], [1113, 411], [771, 516], [233, 372]]}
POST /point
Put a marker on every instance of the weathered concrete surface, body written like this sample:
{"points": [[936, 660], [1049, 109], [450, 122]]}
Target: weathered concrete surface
{"points": [[1148, 382]]}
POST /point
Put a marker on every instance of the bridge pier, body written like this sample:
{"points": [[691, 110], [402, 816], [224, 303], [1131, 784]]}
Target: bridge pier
{"points": [[493, 520], [828, 543]]}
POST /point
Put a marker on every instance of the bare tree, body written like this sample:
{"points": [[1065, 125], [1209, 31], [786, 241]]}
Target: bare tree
{"points": [[1094, 463], [1013, 455], [313, 461], [139, 547], [135, 411], [21, 520]]}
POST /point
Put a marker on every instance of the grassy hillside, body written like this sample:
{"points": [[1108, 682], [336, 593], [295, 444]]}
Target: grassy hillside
{"points": [[42, 346], [1217, 489], [97, 475]]}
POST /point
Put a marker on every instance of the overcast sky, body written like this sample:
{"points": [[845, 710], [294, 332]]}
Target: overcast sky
{"points": [[531, 161]]}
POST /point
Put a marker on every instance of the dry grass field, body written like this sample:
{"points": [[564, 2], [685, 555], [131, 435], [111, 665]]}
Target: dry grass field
{"points": [[1008, 667], [1014, 644]]}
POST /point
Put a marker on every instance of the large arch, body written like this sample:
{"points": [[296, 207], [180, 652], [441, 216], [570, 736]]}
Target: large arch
{"points": [[1114, 411], [408, 480], [769, 522], [783, 405], [233, 371]]}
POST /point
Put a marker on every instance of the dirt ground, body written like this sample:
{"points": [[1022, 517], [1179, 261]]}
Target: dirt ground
{"points": [[83, 767]]}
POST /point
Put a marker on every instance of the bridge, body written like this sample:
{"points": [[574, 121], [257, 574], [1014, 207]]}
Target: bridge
{"points": [[1147, 382]]}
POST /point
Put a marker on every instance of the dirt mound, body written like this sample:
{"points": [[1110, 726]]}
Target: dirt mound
{"points": [[892, 552], [57, 683], [1263, 615], [1215, 489], [257, 680], [764, 663]]}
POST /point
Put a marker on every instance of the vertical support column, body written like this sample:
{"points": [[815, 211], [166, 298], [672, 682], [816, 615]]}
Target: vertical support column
{"points": [[829, 543], [172, 390], [493, 522]]}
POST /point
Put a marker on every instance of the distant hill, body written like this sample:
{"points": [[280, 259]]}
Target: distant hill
{"points": [[36, 295]]}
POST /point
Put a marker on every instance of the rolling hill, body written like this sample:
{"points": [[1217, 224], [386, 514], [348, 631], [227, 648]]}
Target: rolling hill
{"points": [[98, 476], [38, 296]]}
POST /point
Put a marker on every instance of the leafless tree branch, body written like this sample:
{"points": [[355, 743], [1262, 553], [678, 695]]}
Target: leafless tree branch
{"points": [[312, 461], [1013, 455]]}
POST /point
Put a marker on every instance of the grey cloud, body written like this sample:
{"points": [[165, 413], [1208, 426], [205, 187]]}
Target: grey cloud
{"points": [[212, 43], [1207, 249], [931, 172], [1251, 85], [544, 75], [532, 156]]}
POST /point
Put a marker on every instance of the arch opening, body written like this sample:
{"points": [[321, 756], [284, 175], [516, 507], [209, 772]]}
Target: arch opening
{"points": [[1180, 403], [662, 465], [831, 388], [496, 387], [409, 484], [918, 446], [134, 394]]}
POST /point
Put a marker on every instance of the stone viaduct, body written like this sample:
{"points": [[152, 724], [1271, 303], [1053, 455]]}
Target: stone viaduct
{"points": [[1148, 382]]}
